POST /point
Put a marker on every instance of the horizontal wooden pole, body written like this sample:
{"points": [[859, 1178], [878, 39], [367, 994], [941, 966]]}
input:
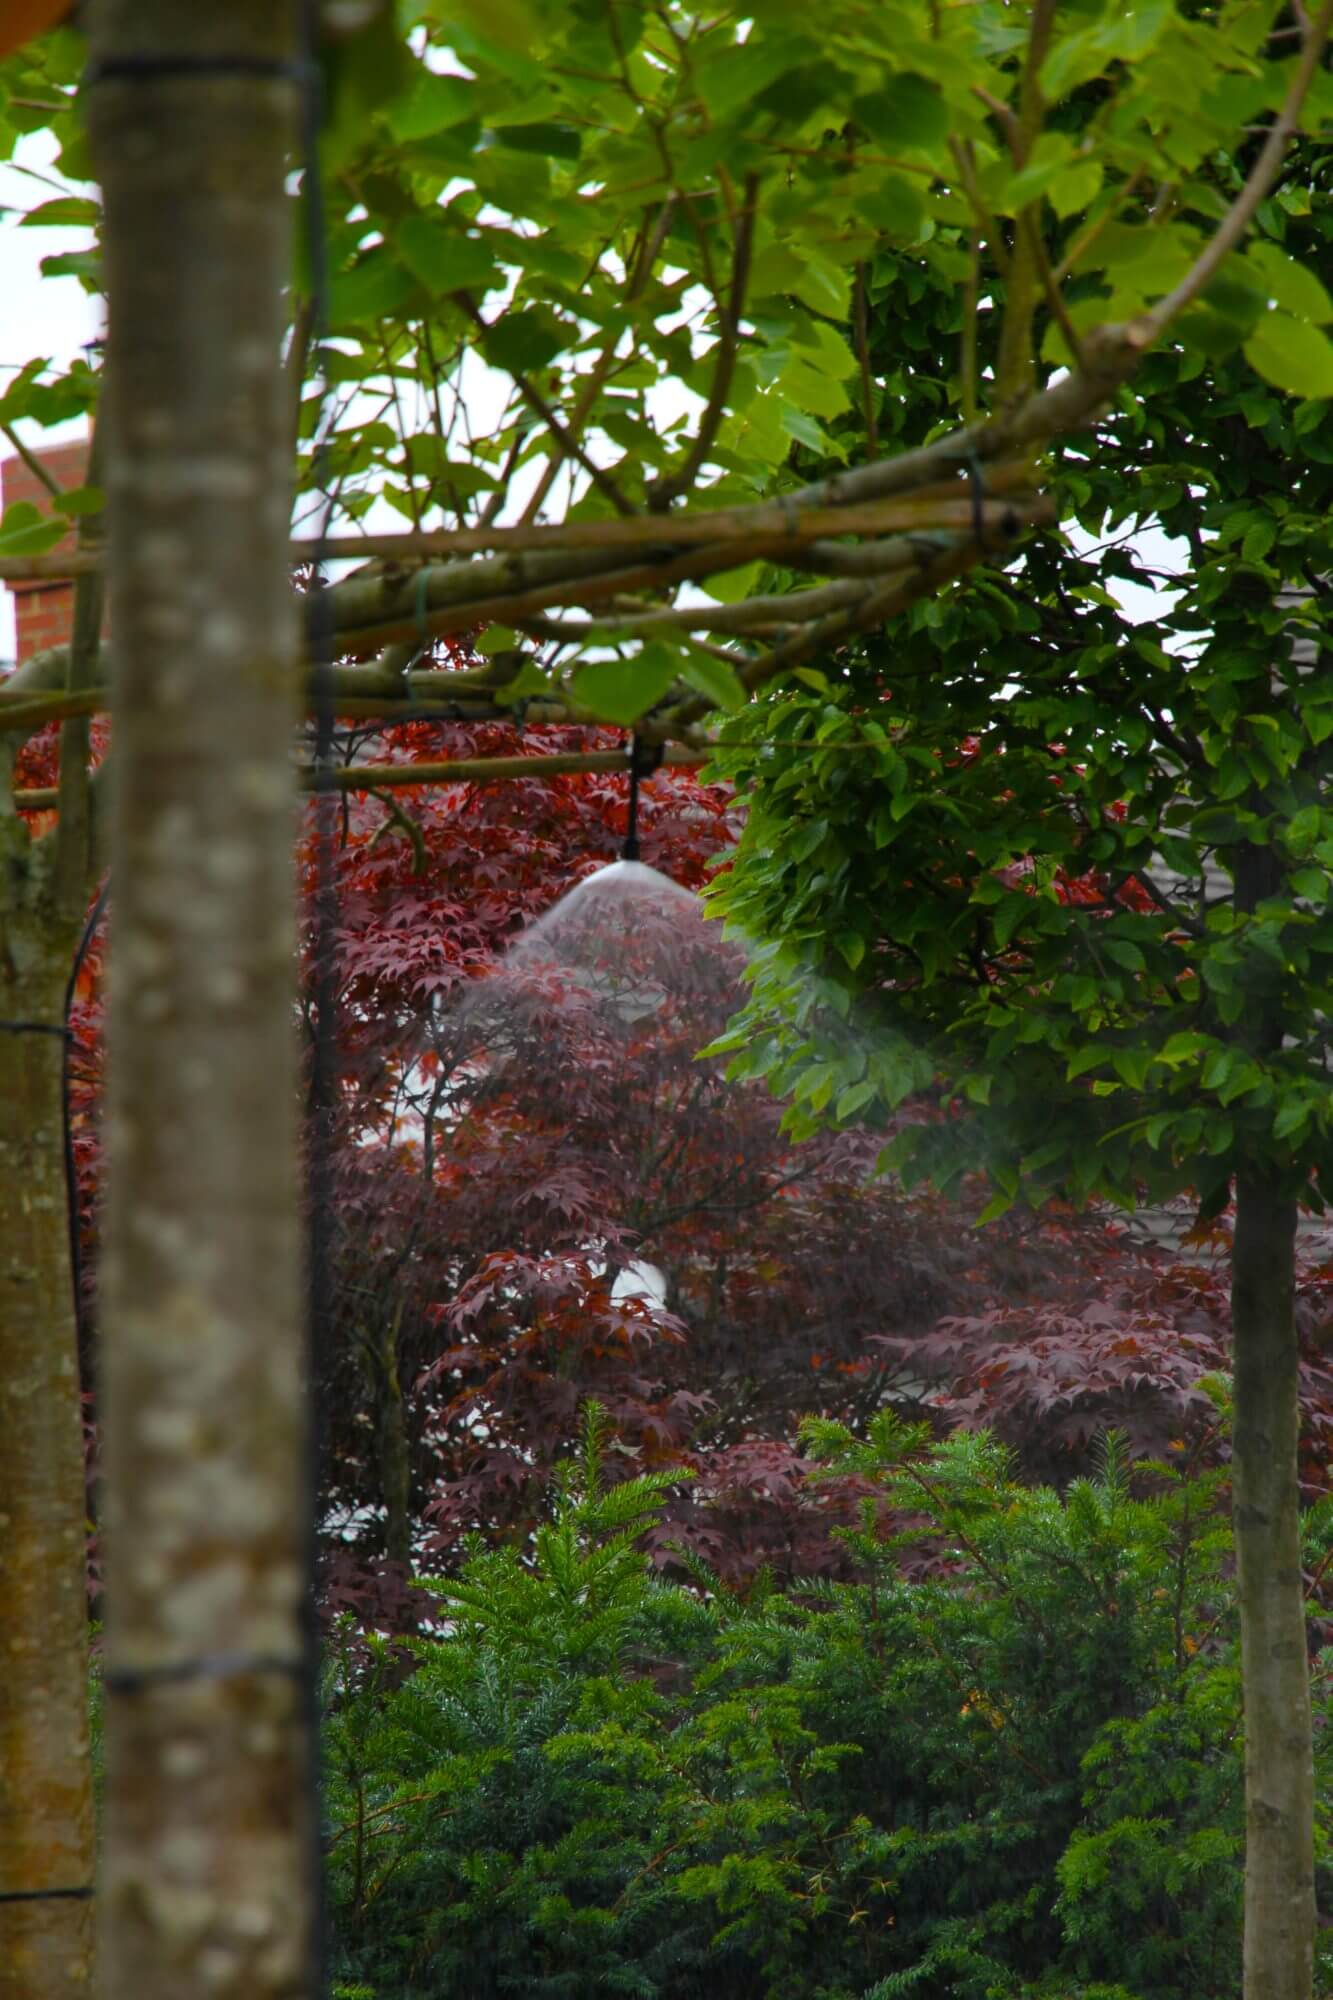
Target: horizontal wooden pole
{"points": [[449, 771], [947, 503]]}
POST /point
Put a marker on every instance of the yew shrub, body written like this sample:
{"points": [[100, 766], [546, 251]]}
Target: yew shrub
{"points": [[1013, 1773]]}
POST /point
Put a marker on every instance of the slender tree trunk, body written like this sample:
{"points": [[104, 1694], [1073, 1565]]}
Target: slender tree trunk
{"points": [[205, 1885], [1279, 1765], [46, 1816]]}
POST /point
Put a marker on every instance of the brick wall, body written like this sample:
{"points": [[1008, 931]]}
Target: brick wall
{"points": [[43, 612]]}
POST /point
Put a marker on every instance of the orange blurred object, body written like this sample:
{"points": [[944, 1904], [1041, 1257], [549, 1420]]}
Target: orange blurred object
{"points": [[23, 20]]}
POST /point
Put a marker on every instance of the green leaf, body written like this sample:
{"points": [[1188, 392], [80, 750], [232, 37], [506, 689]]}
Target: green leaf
{"points": [[813, 390], [546, 136], [76, 500], [896, 207], [1292, 355], [514, 26], [853, 1098], [67, 211], [363, 73], [1294, 286], [1132, 1065], [907, 112], [1258, 541], [716, 680], [731, 586], [1293, 1116], [26, 531], [375, 287], [1009, 914], [434, 104], [623, 690], [443, 259], [85, 265], [735, 76], [823, 287], [521, 342]]}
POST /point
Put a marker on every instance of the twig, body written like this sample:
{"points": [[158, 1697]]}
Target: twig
{"points": [[664, 491], [1258, 182], [969, 370], [534, 398], [406, 824], [967, 175], [1082, 244], [863, 361], [34, 464], [1054, 296]]}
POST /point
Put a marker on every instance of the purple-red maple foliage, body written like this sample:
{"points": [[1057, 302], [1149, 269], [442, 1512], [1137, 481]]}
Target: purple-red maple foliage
{"points": [[543, 1195]]}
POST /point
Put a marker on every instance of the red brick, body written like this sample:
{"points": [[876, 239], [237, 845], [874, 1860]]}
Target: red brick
{"points": [[43, 611]]}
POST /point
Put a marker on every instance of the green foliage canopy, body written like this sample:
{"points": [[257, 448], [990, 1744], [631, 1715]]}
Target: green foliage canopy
{"points": [[592, 259]]}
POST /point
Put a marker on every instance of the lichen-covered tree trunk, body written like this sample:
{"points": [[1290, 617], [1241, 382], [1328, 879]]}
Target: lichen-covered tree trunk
{"points": [[1279, 1773], [205, 1884], [46, 1816]]}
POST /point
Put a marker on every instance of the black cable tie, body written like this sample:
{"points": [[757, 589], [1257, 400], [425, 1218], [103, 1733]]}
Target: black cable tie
{"points": [[207, 1667], [136, 68], [45, 1895], [37, 1028]]}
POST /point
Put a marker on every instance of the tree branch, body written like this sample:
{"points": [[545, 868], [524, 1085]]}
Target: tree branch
{"points": [[664, 491], [1258, 183], [535, 400]]}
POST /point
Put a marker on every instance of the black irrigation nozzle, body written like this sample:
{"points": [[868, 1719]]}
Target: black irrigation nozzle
{"points": [[644, 759]]}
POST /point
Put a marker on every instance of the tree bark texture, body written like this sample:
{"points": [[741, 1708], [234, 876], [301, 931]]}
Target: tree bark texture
{"points": [[204, 1886], [46, 1808], [1279, 1769]]}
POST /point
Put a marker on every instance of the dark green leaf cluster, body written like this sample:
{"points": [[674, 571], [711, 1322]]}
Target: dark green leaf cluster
{"points": [[1002, 1765], [1073, 860]]}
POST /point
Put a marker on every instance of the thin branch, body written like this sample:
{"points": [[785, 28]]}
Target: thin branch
{"points": [[535, 400], [490, 512], [1258, 183], [968, 366], [40, 472], [863, 362], [967, 176], [664, 491], [298, 353], [1054, 296], [1082, 244], [578, 416], [406, 824]]}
